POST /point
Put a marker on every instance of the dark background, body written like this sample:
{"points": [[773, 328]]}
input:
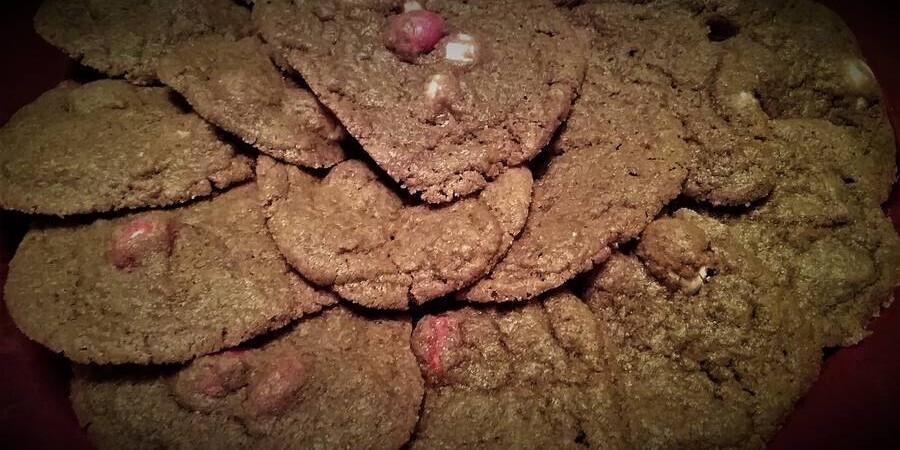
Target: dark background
{"points": [[854, 404]]}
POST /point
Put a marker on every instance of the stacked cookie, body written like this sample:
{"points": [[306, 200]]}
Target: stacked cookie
{"points": [[444, 224]]}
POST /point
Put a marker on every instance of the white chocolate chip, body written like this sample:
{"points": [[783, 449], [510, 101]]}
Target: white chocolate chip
{"points": [[440, 91], [704, 273], [412, 6], [461, 48], [746, 99], [693, 285], [858, 73]]}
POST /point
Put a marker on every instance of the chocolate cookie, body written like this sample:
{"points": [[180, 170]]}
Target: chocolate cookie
{"points": [[698, 347], [444, 95], [719, 331], [352, 232], [337, 380], [156, 287], [791, 72], [708, 347], [237, 87], [600, 192], [726, 67], [644, 84], [668, 53], [531, 377], [823, 227], [127, 38], [108, 145]]}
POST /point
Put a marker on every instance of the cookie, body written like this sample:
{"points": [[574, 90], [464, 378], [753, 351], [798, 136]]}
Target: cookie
{"points": [[806, 65], [127, 38], [444, 95], [350, 231], [730, 160], [108, 145], [797, 66], [156, 287], [709, 347], [598, 193], [235, 85], [337, 380], [728, 67], [529, 377], [668, 349], [642, 84], [823, 227]]}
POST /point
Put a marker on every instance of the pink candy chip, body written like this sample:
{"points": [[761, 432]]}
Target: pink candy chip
{"points": [[221, 375], [413, 33], [275, 384], [435, 335], [139, 238], [208, 380]]}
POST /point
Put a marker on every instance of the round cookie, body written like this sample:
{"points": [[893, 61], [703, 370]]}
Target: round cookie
{"points": [[823, 227], [710, 348], [530, 377], [668, 53], [352, 232], [156, 287], [108, 145], [127, 37], [235, 85], [336, 380], [444, 95], [598, 193]]}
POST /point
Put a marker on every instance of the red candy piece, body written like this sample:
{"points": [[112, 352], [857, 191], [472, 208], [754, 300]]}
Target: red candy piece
{"points": [[439, 333], [139, 238], [209, 379], [275, 384], [222, 374], [413, 33]]}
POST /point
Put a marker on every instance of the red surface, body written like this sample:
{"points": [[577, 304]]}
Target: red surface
{"points": [[854, 404]]}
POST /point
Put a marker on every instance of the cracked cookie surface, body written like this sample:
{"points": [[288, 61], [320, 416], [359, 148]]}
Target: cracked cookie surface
{"points": [[641, 362], [351, 232], [127, 37], [600, 192], [156, 287], [235, 85], [665, 51], [108, 145], [335, 380], [702, 331], [487, 97], [531, 377], [714, 327], [823, 226], [716, 366]]}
